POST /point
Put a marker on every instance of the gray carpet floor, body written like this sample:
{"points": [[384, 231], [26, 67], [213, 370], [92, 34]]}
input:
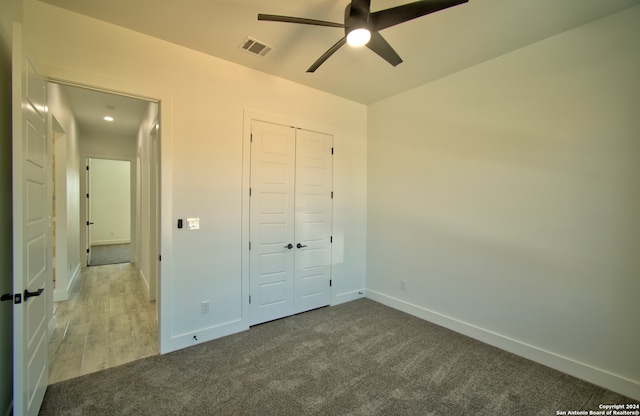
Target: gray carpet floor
{"points": [[359, 358], [110, 254]]}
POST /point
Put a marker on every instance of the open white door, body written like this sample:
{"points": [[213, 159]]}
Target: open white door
{"points": [[88, 210], [31, 230]]}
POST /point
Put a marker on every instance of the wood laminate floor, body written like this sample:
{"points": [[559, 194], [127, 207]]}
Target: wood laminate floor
{"points": [[107, 321]]}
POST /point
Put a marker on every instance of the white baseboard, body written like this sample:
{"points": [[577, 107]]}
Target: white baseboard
{"points": [[348, 297], [145, 282], [75, 276], [232, 327], [61, 294], [205, 334], [110, 242], [599, 377]]}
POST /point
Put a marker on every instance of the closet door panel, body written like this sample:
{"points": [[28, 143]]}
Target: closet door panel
{"points": [[313, 219], [272, 222]]}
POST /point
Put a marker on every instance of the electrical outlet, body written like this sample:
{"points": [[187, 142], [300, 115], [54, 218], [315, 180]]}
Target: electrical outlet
{"points": [[403, 285], [204, 307]]}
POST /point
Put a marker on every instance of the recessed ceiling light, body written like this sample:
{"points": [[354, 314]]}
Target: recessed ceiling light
{"points": [[108, 118]]}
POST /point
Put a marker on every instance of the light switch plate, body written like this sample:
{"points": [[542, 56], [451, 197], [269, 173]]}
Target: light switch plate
{"points": [[193, 224]]}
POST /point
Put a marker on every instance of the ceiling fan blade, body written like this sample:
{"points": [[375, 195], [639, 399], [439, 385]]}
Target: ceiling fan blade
{"points": [[327, 54], [379, 45], [390, 17], [300, 20]]}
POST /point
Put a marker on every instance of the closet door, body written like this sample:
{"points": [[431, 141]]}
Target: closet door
{"points": [[290, 221], [313, 219], [271, 232]]}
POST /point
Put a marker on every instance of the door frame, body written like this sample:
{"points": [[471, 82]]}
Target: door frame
{"points": [[164, 234], [248, 116]]}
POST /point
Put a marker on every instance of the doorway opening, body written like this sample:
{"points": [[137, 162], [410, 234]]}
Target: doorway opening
{"points": [[106, 178], [109, 210]]}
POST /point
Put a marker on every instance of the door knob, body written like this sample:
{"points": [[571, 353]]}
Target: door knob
{"points": [[289, 246], [300, 245]]}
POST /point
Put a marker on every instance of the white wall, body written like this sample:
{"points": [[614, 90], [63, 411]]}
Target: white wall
{"points": [[507, 196], [110, 197], [67, 191], [202, 105], [107, 146]]}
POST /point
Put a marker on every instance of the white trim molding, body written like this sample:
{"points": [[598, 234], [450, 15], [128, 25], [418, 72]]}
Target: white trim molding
{"points": [[597, 376]]}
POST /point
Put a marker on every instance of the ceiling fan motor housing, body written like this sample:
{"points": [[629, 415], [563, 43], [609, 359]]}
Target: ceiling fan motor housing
{"points": [[355, 18]]}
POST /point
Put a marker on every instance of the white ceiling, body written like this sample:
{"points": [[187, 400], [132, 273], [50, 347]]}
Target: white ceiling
{"points": [[89, 108], [432, 46]]}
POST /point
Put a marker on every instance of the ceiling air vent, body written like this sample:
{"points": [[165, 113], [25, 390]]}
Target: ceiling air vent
{"points": [[255, 47]]}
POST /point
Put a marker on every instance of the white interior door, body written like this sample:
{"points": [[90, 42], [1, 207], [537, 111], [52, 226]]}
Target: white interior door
{"points": [[31, 230], [271, 232], [290, 221], [313, 219], [88, 210]]}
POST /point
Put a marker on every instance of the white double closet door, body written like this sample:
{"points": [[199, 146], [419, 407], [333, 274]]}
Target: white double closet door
{"points": [[290, 221]]}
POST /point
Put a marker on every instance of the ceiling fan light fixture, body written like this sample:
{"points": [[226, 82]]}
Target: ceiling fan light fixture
{"points": [[358, 37], [362, 27]]}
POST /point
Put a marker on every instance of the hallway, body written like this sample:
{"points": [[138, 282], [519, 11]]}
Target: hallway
{"points": [[106, 322]]}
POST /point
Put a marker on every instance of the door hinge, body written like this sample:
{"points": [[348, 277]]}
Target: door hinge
{"points": [[249, 191], [332, 150], [159, 258], [330, 282], [87, 195], [249, 245], [331, 240], [331, 194], [87, 251], [87, 167], [249, 299]]}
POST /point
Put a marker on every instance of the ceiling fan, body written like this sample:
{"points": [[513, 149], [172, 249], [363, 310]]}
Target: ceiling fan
{"points": [[361, 27]]}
